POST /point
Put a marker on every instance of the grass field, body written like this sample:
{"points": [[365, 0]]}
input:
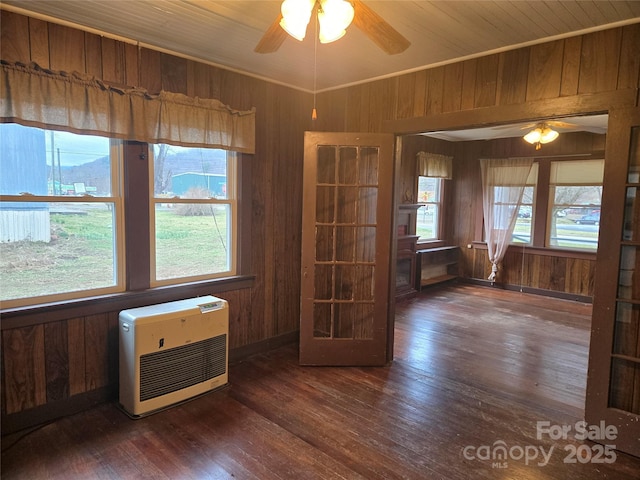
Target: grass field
{"points": [[81, 253]]}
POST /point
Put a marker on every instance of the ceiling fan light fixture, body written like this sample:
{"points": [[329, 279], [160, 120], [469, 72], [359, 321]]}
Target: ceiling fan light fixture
{"points": [[533, 136], [334, 17], [295, 17], [548, 135], [541, 134]]}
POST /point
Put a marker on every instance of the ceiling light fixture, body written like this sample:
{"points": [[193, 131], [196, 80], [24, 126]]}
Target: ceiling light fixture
{"points": [[541, 134], [334, 17]]}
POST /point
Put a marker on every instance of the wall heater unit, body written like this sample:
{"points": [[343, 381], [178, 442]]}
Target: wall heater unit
{"points": [[172, 352]]}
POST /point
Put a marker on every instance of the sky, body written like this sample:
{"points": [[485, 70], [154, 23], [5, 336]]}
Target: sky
{"points": [[76, 149]]}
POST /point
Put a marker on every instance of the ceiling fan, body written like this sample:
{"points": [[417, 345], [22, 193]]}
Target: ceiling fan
{"points": [[372, 24], [550, 123]]}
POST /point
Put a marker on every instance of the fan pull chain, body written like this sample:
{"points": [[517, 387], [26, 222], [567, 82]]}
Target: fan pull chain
{"points": [[314, 112]]}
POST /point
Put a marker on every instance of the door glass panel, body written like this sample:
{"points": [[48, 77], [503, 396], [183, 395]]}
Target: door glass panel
{"points": [[348, 164], [634, 156], [366, 244], [344, 282], [628, 280], [632, 215], [326, 165], [325, 205], [323, 282], [346, 198], [365, 283], [367, 204], [368, 166], [626, 330], [324, 243], [345, 243], [343, 326], [625, 385], [322, 320]]}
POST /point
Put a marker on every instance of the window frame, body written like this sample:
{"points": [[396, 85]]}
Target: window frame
{"points": [[134, 262], [439, 205], [116, 198], [543, 205], [230, 200]]}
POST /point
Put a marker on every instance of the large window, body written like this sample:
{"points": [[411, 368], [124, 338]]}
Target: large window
{"points": [[428, 215], [567, 214], [60, 215], [575, 195], [192, 214], [62, 228]]}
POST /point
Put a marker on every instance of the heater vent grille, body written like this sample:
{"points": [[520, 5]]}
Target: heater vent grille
{"points": [[181, 367]]}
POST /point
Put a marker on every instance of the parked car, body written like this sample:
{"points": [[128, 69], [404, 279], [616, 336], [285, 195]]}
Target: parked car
{"points": [[590, 219], [524, 212]]}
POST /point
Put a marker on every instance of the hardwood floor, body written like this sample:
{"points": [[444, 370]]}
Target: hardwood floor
{"points": [[475, 369]]}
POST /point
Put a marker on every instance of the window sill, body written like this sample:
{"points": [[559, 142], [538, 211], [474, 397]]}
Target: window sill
{"points": [[425, 244], [52, 312], [545, 251]]}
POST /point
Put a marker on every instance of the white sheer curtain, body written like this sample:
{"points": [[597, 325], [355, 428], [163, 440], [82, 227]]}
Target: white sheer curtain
{"points": [[503, 183]]}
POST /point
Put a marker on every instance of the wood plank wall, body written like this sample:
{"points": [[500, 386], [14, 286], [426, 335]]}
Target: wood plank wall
{"points": [[52, 363], [565, 273], [573, 69], [56, 361], [605, 61]]}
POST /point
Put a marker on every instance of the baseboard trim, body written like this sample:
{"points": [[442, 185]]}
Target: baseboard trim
{"points": [[33, 417], [535, 291], [42, 414], [239, 354]]}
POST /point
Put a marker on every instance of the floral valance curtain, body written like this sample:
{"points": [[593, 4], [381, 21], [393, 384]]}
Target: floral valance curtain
{"points": [[36, 97], [435, 165], [503, 183]]}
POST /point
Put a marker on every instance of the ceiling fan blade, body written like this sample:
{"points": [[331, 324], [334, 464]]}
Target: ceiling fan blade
{"points": [[378, 30], [272, 38], [560, 124], [550, 123]]}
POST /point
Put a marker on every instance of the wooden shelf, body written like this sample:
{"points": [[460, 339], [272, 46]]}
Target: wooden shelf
{"points": [[436, 265], [439, 279]]}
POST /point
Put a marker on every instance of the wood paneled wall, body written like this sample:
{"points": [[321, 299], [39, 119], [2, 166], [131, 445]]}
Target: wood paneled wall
{"points": [[566, 273], [52, 363], [605, 61], [520, 84]]}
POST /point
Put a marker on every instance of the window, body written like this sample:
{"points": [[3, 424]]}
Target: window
{"points": [[60, 215], [62, 221], [575, 195], [193, 211], [64, 196], [570, 211], [524, 222], [428, 215]]}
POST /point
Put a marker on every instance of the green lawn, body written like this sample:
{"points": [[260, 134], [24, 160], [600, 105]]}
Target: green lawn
{"points": [[81, 253]]}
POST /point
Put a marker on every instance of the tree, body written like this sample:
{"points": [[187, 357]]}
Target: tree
{"points": [[161, 179], [565, 197]]}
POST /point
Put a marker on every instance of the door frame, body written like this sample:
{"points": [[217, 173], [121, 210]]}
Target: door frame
{"points": [[597, 408], [592, 104]]}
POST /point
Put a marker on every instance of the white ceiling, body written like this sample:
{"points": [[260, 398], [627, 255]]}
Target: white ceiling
{"points": [[225, 33], [591, 123]]}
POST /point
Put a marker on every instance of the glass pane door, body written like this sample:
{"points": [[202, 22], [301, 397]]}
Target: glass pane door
{"points": [[346, 249]]}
